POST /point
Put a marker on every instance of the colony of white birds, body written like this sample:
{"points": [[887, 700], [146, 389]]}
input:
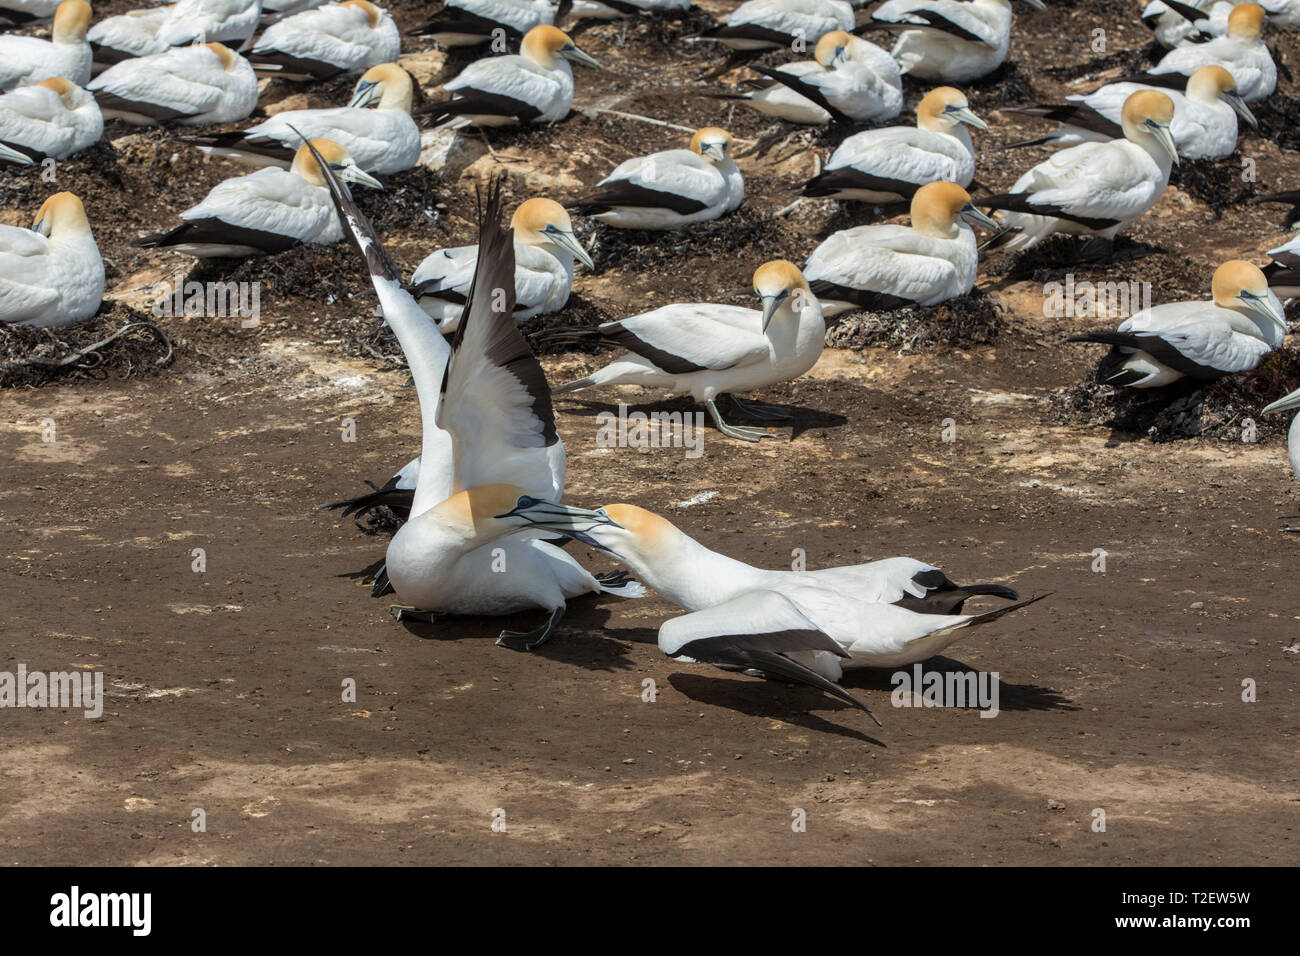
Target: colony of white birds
{"points": [[491, 470]]}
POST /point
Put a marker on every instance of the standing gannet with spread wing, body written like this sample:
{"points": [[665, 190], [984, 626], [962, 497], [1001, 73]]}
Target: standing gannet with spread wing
{"points": [[949, 41], [669, 189], [532, 86], [265, 212], [153, 30], [51, 275], [1284, 404], [773, 24], [383, 139], [887, 165], [52, 119], [1198, 340], [707, 350], [346, 37], [545, 248], [1241, 52], [471, 22], [26, 60], [883, 267], [1097, 188], [190, 85], [1204, 124]]}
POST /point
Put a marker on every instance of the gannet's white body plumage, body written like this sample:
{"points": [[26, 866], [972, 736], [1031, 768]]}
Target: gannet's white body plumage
{"points": [[772, 24], [619, 9], [52, 119], [1287, 403], [191, 85], [887, 165], [156, 29], [20, 13], [347, 37], [848, 79], [1199, 340], [1241, 52], [51, 275], [885, 267], [25, 60], [1281, 13], [949, 41], [279, 9], [545, 248], [471, 22], [131, 34], [1169, 26], [670, 189]]}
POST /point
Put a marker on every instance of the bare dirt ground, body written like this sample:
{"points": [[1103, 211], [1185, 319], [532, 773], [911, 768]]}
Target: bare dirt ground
{"points": [[1121, 692]]}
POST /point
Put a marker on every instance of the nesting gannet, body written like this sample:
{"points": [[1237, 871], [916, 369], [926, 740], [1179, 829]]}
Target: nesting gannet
{"points": [[772, 24], [532, 86], [706, 350], [1241, 52], [153, 30], [346, 37], [949, 41], [805, 626], [191, 85], [21, 13], [382, 140], [1174, 22], [54, 118], [884, 267], [1284, 404], [618, 9], [26, 60], [545, 248], [1097, 188], [51, 275], [1204, 124], [1198, 340], [886, 165], [471, 22], [670, 189], [1282, 13], [128, 35], [265, 212]]}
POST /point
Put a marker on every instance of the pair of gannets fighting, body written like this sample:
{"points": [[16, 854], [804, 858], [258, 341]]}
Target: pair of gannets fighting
{"points": [[155, 29], [53, 119], [26, 60], [383, 139], [347, 37], [51, 275], [776, 24], [1198, 340], [1241, 51], [949, 41], [268, 211], [669, 189], [1204, 124], [191, 85], [533, 86]]}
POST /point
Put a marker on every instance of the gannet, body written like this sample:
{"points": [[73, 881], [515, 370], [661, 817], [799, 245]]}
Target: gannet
{"points": [[1286, 403], [346, 37], [190, 85], [670, 189], [25, 60], [1283, 272], [1097, 188], [382, 140], [881, 268], [128, 35], [1281, 13], [1172, 23], [273, 10], [706, 350], [805, 626], [533, 86], [51, 275], [1198, 340], [618, 9], [1204, 124], [848, 80], [545, 248], [265, 212], [153, 30], [886, 165], [1241, 52], [949, 41], [54, 118], [471, 22], [489, 444], [21, 13], [772, 24]]}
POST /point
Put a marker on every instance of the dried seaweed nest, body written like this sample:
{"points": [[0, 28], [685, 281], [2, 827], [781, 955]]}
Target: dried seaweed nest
{"points": [[119, 341], [963, 322]]}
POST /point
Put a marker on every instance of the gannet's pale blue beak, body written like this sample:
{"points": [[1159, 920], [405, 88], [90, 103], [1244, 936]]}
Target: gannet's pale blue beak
{"points": [[365, 93], [1283, 404]]}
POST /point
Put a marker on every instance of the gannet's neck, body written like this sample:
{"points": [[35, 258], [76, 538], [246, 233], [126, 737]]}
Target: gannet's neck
{"points": [[688, 574]]}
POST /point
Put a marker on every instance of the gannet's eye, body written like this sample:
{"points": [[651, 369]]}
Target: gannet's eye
{"points": [[601, 512], [525, 502]]}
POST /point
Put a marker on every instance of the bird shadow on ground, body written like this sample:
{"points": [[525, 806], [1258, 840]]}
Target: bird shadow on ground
{"points": [[1009, 696], [803, 419], [750, 697]]}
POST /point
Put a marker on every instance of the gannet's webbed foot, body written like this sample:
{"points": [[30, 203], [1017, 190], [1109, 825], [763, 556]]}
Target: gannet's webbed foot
{"points": [[757, 410], [742, 432], [531, 640], [404, 613]]}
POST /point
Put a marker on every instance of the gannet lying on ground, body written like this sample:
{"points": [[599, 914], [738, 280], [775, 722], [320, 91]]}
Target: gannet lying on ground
{"points": [[51, 275], [265, 212], [706, 350], [773, 24], [887, 165], [545, 248], [670, 189], [1097, 188], [618, 9], [949, 41], [54, 118], [22, 13], [1284, 404], [346, 37], [154, 30], [25, 60], [471, 22], [1241, 52], [382, 140], [1172, 23], [533, 86], [881, 268], [1199, 340], [190, 85], [1204, 124], [804, 626]]}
